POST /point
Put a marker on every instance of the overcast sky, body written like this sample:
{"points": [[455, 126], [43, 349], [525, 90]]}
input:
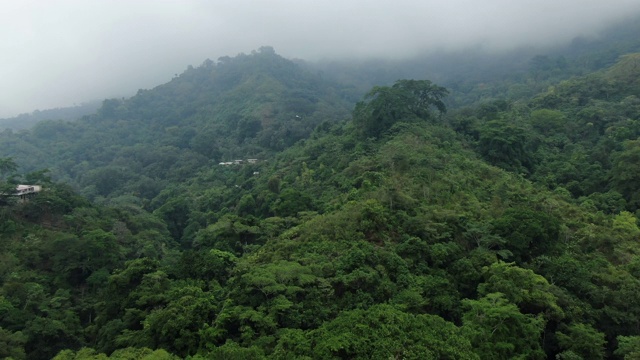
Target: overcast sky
{"points": [[57, 53]]}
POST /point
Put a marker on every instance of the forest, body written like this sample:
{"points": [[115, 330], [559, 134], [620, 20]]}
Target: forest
{"points": [[470, 214]]}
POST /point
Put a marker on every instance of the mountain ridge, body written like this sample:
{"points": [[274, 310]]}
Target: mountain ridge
{"points": [[411, 229], [247, 106]]}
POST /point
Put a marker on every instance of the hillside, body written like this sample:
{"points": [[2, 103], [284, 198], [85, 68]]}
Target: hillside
{"points": [[249, 106], [26, 121], [389, 228], [578, 135], [479, 75]]}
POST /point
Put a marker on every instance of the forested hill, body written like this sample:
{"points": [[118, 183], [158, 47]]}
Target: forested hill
{"points": [[477, 74], [503, 230], [249, 106], [26, 121], [580, 136]]}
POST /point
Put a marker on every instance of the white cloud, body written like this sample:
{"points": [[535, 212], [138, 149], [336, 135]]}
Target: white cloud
{"points": [[68, 51]]}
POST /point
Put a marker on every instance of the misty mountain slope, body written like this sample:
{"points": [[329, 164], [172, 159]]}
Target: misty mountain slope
{"points": [[245, 100], [25, 121], [243, 107], [480, 74], [579, 136], [414, 226], [437, 234]]}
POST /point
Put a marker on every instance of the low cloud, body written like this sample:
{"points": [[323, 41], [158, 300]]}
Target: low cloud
{"points": [[65, 52]]}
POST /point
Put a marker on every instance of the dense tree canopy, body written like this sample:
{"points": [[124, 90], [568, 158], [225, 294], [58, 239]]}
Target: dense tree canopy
{"points": [[503, 230], [406, 100]]}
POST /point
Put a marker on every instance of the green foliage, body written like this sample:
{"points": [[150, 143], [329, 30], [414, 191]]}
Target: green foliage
{"points": [[231, 234], [498, 330], [528, 232], [7, 166], [176, 326], [290, 202], [207, 265], [383, 332], [12, 344], [248, 106], [530, 291], [381, 237], [121, 354], [506, 144], [7, 188], [625, 171], [629, 347], [406, 100], [232, 351], [175, 213], [583, 340], [548, 122]]}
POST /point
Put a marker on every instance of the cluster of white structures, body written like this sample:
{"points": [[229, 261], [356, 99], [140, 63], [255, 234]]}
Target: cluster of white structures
{"points": [[239, 162]]}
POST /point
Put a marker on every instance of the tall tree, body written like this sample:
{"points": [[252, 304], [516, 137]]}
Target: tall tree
{"points": [[406, 100], [7, 166]]}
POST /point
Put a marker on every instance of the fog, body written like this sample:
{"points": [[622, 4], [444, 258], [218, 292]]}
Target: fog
{"points": [[60, 53]]}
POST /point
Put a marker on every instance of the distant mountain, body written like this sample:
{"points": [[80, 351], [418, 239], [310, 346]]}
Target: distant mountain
{"points": [[25, 121], [248, 106], [478, 74]]}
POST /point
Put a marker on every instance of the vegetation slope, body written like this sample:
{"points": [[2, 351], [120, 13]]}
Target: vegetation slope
{"points": [[498, 231]]}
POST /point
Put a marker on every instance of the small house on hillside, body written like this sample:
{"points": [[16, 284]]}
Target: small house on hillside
{"points": [[27, 191]]}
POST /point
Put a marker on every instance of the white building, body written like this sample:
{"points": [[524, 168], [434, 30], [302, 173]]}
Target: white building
{"points": [[27, 191]]}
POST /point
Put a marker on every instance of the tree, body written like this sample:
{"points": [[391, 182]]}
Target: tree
{"points": [[507, 145], [6, 194], [384, 332], [498, 330], [629, 347], [12, 344], [424, 96], [232, 351], [530, 291], [583, 340], [406, 100], [547, 121], [290, 202], [129, 353], [625, 173], [175, 213], [7, 166], [76, 258], [176, 326], [529, 233]]}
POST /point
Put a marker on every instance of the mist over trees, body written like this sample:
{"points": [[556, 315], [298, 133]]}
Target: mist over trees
{"points": [[255, 208], [25, 121]]}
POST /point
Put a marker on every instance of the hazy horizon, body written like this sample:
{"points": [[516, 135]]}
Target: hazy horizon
{"points": [[69, 52]]}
